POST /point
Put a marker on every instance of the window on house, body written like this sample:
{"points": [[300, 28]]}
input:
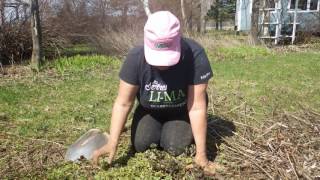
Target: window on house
{"points": [[224, 2], [302, 4], [292, 4], [270, 4], [313, 4]]}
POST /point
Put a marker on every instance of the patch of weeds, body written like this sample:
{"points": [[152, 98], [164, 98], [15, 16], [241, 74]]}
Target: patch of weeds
{"points": [[4, 117], [13, 94], [138, 167], [80, 63], [69, 170]]}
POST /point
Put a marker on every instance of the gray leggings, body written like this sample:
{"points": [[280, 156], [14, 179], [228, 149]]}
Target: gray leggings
{"points": [[172, 132]]}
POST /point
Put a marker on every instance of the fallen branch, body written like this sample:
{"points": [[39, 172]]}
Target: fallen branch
{"points": [[292, 166]]}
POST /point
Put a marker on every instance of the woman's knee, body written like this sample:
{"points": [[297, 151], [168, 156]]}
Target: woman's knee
{"points": [[173, 149], [140, 145], [176, 136], [146, 130]]}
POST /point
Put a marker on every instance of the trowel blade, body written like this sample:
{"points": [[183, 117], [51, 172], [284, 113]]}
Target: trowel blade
{"points": [[85, 146]]}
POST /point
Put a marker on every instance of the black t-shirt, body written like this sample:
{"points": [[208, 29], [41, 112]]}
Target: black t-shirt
{"points": [[166, 89]]}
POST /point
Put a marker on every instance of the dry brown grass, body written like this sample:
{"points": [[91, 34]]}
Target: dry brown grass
{"points": [[312, 44], [117, 42], [211, 41], [285, 145], [28, 157]]}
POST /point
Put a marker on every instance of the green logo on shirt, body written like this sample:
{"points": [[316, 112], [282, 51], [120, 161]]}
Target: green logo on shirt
{"points": [[159, 96], [164, 96]]}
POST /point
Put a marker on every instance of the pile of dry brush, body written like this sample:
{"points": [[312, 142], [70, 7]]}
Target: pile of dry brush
{"points": [[283, 145]]}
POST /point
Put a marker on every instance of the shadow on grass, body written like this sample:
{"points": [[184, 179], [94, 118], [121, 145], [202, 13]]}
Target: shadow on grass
{"points": [[218, 128]]}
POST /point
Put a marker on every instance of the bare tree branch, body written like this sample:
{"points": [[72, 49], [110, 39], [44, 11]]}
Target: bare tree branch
{"points": [[146, 7]]}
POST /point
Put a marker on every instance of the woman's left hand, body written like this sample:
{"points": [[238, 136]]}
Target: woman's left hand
{"points": [[208, 167], [201, 159]]}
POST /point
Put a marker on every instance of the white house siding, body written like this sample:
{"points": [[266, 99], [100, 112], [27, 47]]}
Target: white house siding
{"points": [[243, 15], [307, 20]]}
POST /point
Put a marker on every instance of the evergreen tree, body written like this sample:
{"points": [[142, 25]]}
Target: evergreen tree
{"points": [[222, 10]]}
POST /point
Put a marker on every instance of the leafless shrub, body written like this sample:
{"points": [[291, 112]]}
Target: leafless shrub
{"points": [[113, 42], [118, 42], [53, 42], [15, 43]]}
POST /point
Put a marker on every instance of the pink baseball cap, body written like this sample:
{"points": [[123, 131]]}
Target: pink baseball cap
{"points": [[162, 39]]}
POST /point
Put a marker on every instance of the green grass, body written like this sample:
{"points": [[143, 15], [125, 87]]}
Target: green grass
{"points": [[75, 94], [237, 53], [81, 93], [287, 79], [80, 63]]}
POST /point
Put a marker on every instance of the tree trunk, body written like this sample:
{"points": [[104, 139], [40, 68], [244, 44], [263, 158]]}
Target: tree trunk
{"points": [[254, 32], [184, 18], [25, 14], [190, 17], [217, 14], [36, 59], [2, 18], [124, 15], [17, 12], [103, 7], [203, 13]]}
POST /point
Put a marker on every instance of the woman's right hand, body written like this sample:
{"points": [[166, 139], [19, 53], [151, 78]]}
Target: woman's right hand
{"points": [[109, 150]]}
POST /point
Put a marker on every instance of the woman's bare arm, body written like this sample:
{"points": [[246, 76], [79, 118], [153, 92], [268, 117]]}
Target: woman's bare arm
{"points": [[198, 118], [121, 108]]}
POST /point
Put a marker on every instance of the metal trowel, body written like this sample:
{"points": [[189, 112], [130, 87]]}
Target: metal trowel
{"points": [[85, 146]]}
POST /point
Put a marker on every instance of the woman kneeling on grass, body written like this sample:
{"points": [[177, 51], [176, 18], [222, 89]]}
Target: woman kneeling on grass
{"points": [[169, 76]]}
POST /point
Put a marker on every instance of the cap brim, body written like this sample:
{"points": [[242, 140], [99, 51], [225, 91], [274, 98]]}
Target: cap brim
{"points": [[163, 58]]}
